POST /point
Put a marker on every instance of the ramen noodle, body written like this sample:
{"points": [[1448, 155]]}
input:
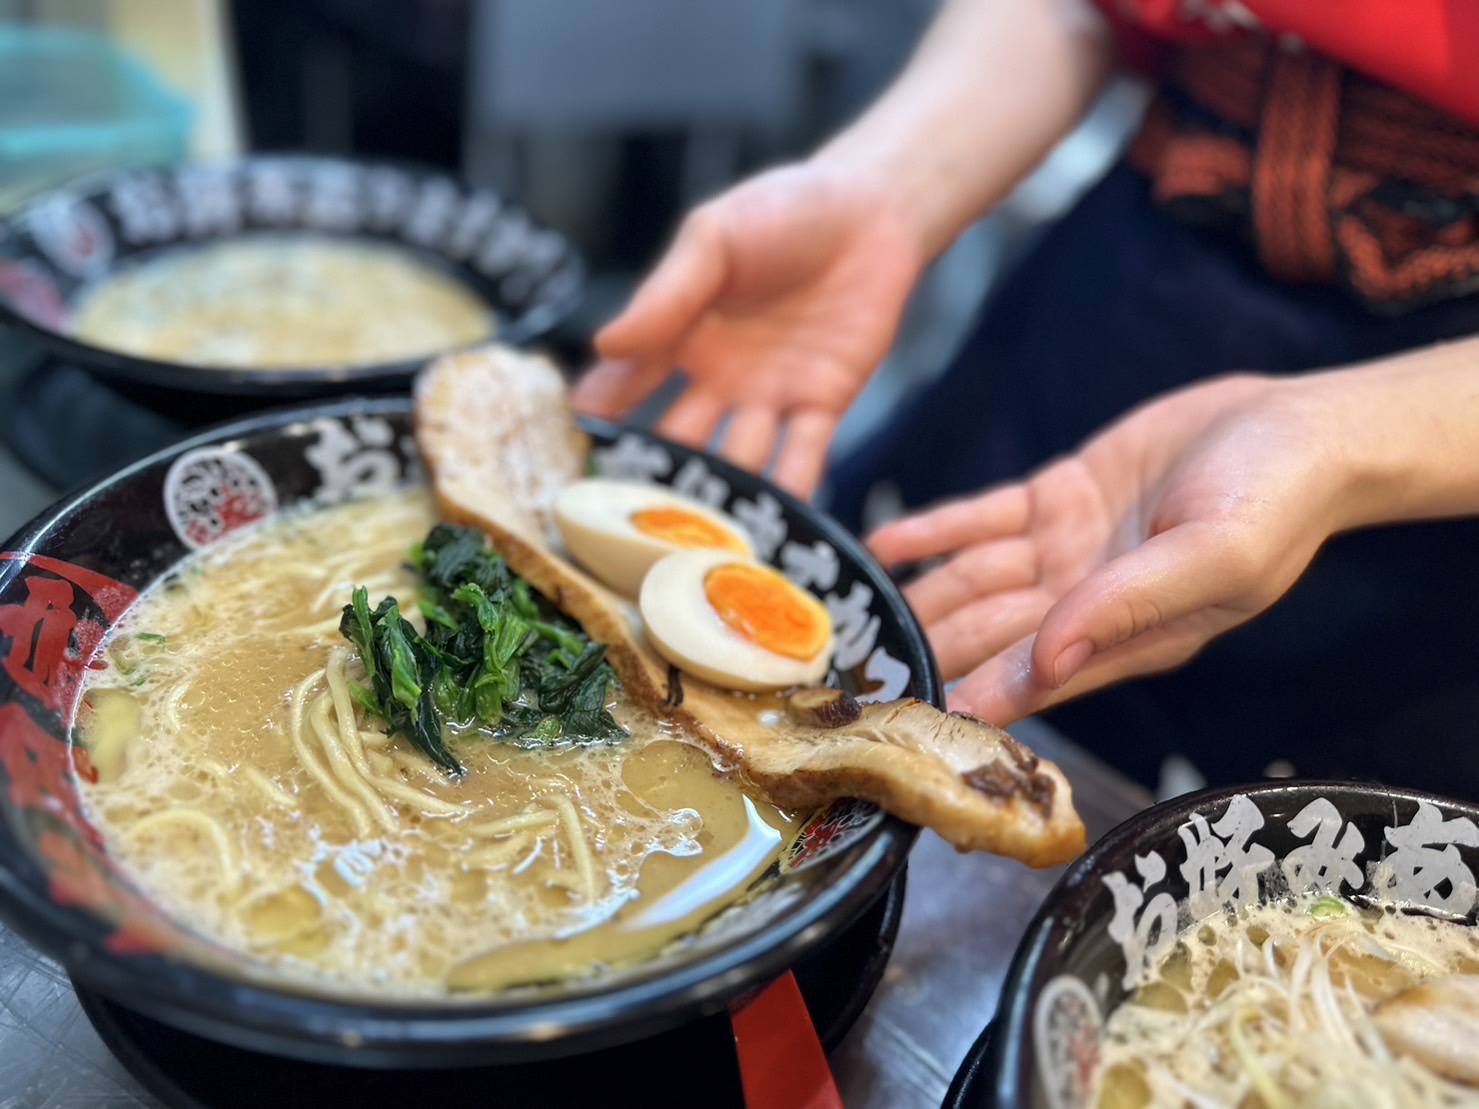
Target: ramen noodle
{"points": [[1289, 1004], [279, 302], [241, 786]]}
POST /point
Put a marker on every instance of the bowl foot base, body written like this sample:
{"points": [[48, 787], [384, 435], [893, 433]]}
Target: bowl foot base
{"points": [[188, 1072]]}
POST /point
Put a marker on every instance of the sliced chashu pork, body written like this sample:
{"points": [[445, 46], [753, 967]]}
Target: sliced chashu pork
{"points": [[1437, 1023], [497, 433]]}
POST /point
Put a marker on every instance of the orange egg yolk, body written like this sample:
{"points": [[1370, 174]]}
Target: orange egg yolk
{"points": [[682, 528], [768, 610]]}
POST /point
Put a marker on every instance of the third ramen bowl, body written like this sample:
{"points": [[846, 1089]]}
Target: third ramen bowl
{"points": [[1204, 945]]}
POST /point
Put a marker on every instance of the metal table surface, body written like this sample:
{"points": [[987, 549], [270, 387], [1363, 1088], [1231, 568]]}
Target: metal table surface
{"points": [[963, 916]]}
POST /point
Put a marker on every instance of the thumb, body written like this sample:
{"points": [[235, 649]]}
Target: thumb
{"points": [[690, 276], [1151, 607]]}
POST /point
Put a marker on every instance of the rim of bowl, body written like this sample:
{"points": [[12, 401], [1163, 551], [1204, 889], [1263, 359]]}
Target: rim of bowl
{"points": [[291, 1020], [288, 382]]}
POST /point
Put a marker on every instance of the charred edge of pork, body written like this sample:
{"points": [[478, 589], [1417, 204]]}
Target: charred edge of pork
{"points": [[674, 699], [1018, 777], [1024, 758], [997, 779], [824, 708]]}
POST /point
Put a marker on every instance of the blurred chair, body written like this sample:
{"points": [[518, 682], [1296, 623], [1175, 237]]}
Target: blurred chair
{"points": [[716, 72]]}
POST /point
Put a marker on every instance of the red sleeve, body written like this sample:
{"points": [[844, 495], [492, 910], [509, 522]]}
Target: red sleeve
{"points": [[1425, 47], [1139, 47]]}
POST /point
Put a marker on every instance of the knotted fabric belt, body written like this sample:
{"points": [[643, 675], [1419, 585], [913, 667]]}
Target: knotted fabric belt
{"points": [[1332, 176]]}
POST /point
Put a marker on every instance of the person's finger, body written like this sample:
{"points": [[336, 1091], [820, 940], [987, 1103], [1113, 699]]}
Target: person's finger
{"points": [[612, 387], [1006, 687], [691, 418], [751, 436], [1001, 690], [686, 281], [939, 531], [1192, 569], [967, 637], [803, 453], [1150, 609], [971, 575]]}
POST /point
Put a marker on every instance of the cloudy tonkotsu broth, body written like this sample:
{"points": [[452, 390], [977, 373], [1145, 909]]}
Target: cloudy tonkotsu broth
{"points": [[282, 302], [364, 864]]}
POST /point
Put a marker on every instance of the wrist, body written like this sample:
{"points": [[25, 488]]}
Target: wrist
{"points": [[1404, 434], [993, 85], [894, 191]]}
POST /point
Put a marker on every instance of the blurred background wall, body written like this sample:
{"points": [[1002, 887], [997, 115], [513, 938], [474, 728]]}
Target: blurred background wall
{"points": [[609, 118], [605, 118]]}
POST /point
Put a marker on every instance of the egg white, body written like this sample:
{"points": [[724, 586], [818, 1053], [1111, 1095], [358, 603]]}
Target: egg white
{"points": [[594, 519], [685, 629]]}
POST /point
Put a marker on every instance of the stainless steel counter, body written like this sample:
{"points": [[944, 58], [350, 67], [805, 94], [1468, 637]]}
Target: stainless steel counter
{"points": [[963, 915]]}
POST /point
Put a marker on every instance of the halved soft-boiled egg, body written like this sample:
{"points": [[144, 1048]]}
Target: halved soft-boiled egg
{"points": [[735, 622], [616, 530]]}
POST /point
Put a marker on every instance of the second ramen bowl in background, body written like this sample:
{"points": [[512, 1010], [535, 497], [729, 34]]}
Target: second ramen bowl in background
{"points": [[398, 230]]}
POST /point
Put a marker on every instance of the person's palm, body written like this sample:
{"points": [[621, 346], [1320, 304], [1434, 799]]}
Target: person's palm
{"points": [[777, 300], [1185, 519]]}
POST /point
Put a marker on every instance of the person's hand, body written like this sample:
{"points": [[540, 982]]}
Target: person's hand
{"points": [[781, 296], [1184, 519], [778, 299]]}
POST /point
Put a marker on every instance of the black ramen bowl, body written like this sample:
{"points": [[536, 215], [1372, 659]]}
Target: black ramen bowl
{"points": [[70, 574], [65, 242], [1119, 908]]}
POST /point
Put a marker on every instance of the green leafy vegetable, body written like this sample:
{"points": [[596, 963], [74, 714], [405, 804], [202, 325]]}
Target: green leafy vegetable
{"points": [[495, 658], [1323, 908]]}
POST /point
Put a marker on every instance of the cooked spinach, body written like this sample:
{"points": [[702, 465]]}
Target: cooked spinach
{"points": [[496, 657]]}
